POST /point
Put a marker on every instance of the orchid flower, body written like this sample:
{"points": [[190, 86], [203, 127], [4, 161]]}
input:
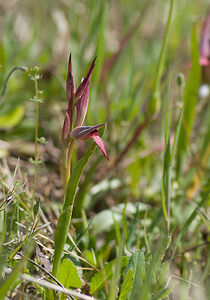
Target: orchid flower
{"points": [[78, 100]]}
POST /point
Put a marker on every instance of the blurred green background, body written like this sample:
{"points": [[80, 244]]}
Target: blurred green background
{"points": [[126, 36]]}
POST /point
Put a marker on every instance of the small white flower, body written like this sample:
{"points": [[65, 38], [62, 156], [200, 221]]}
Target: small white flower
{"points": [[204, 91]]}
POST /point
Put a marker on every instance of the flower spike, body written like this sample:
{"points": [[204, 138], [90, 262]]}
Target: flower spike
{"points": [[83, 94], [79, 98]]}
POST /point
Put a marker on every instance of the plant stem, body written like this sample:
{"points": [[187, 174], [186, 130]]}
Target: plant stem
{"points": [[68, 159], [36, 137], [64, 220]]}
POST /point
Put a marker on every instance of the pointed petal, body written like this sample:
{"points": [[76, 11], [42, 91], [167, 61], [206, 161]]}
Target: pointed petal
{"points": [[205, 44], [70, 86], [70, 91], [84, 132], [82, 106], [66, 128], [85, 81], [101, 144]]}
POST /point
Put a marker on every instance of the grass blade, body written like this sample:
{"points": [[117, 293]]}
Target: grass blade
{"points": [[137, 265], [190, 100], [189, 221], [154, 103]]}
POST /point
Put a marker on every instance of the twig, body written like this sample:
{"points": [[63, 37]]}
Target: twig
{"points": [[55, 287], [177, 277]]}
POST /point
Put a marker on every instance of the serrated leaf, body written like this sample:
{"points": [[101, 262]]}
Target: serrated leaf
{"points": [[137, 265], [126, 285], [12, 118], [97, 281], [68, 275]]}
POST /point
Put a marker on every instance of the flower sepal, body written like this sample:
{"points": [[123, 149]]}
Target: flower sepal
{"points": [[86, 132]]}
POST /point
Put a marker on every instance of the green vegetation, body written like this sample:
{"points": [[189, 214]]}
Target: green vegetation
{"points": [[74, 225]]}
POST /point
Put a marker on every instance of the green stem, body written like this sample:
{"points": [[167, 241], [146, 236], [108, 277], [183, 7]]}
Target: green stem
{"points": [[64, 221], [36, 138], [68, 160]]}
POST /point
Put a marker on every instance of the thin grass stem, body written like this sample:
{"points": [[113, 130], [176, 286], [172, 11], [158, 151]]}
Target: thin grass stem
{"points": [[36, 137]]}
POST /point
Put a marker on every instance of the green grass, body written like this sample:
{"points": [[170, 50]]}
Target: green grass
{"points": [[134, 227]]}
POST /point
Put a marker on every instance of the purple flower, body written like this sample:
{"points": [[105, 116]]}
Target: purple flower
{"points": [[80, 96], [79, 99]]}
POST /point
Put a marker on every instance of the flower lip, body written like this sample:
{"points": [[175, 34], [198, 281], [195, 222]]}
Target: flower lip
{"points": [[98, 140], [84, 132]]}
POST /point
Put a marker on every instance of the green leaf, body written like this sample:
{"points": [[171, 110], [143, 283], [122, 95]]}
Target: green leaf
{"points": [[12, 118], [66, 213], [126, 285], [36, 207], [117, 229], [176, 138], [190, 101], [189, 221], [28, 239], [154, 265], [97, 281], [2, 54], [79, 203], [68, 275], [125, 228], [137, 265], [166, 176], [162, 294], [8, 282]]}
